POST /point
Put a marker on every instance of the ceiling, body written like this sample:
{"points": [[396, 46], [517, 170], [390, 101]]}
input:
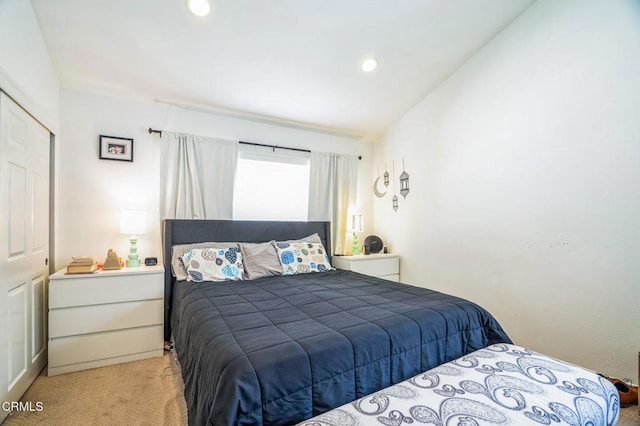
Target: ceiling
{"points": [[294, 62]]}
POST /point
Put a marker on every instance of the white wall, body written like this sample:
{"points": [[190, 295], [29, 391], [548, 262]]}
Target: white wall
{"points": [[525, 194], [91, 193], [26, 71]]}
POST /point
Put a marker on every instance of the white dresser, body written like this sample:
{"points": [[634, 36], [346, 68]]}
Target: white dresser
{"points": [[105, 318], [385, 265]]}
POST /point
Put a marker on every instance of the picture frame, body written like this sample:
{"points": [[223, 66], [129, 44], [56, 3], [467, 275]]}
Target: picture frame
{"points": [[115, 148]]}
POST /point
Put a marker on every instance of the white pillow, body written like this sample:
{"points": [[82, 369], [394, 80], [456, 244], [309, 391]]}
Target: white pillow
{"points": [[178, 269], [302, 257], [211, 264], [313, 238]]}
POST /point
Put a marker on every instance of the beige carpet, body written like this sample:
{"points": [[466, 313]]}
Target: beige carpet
{"points": [[148, 392], [629, 416]]}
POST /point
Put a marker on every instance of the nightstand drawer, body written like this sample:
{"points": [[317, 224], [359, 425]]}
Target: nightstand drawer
{"points": [[96, 289], [111, 344], [98, 318], [376, 267], [391, 277], [385, 266]]}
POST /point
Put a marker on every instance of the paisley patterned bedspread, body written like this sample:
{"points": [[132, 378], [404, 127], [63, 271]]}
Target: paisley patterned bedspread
{"points": [[278, 350], [502, 384]]}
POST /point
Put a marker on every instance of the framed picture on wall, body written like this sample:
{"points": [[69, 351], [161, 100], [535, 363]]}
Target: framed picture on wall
{"points": [[115, 148]]}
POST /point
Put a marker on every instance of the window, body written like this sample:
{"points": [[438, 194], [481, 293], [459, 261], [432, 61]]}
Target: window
{"points": [[271, 185]]}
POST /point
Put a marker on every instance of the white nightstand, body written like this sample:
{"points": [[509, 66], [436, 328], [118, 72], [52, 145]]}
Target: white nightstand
{"points": [[385, 266], [105, 318]]}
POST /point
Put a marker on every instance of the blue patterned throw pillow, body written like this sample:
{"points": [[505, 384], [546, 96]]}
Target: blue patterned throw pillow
{"points": [[211, 264], [302, 257]]}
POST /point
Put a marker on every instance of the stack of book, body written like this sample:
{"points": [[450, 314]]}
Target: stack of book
{"points": [[83, 265]]}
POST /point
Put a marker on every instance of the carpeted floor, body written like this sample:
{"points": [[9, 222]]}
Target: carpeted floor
{"points": [[147, 392], [629, 416]]}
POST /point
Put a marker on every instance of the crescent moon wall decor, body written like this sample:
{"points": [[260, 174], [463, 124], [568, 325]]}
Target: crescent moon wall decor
{"points": [[375, 189]]}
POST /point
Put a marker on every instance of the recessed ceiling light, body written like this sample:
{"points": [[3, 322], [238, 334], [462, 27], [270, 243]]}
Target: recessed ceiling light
{"points": [[199, 7], [369, 64]]}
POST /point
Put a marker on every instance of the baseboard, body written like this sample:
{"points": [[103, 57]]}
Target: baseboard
{"points": [[54, 371]]}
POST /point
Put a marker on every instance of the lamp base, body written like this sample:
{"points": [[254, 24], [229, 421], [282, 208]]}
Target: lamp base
{"points": [[133, 260], [355, 250], [133, 263]]}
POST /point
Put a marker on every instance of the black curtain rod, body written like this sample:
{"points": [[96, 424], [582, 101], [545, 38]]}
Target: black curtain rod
{"points": [[274, 147]]}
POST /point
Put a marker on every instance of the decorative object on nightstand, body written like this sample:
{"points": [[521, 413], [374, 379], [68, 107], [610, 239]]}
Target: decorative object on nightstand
{"points": [[373, 243], [112, 261], [83, 265], [357, 226], [133, 223]]}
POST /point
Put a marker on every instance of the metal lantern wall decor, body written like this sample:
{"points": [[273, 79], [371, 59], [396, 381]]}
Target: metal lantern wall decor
{"points": [[394, 200], [404, 181], [386, 176]]}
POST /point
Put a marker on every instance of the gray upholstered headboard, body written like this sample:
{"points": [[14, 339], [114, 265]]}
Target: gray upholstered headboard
{"points": [[182, 231]]}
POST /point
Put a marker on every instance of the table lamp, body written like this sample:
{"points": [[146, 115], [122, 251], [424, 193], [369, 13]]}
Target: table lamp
{"points": [[357, 226], [133, 223]]}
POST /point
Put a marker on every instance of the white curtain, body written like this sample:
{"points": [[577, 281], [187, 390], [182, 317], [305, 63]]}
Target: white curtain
{"points": [[332, 193], [197, 177]]}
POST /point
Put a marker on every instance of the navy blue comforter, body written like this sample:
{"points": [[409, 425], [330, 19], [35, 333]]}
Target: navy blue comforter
{"points": [[280, 350]]}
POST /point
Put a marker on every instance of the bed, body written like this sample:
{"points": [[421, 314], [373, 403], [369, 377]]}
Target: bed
{"points": [[282, 349], [500, 384]]}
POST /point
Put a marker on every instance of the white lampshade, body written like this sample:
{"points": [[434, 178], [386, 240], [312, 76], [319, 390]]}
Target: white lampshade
{"points": [[356, 224], [133, 222]]}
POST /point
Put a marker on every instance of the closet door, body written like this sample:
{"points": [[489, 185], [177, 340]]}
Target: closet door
{"points": [[24, 248]]}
